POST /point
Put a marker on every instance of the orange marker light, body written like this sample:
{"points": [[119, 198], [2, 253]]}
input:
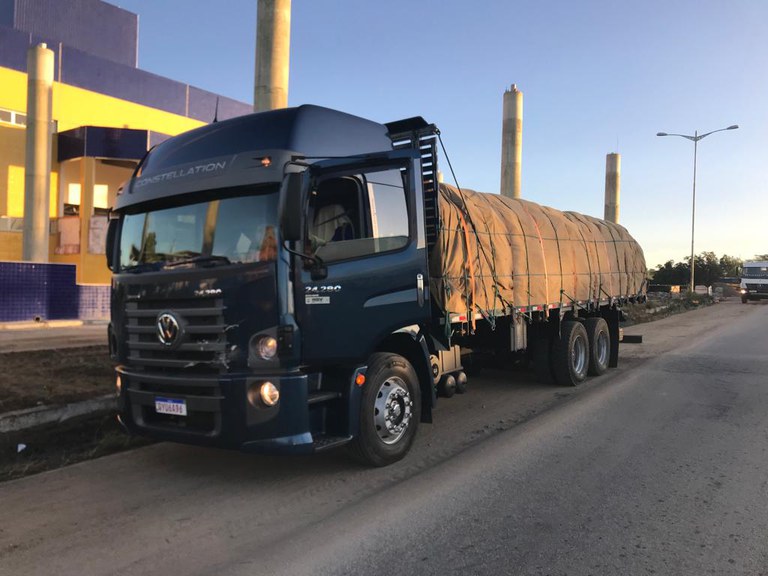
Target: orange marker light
{"points": [[266, 161], [360, 379]]}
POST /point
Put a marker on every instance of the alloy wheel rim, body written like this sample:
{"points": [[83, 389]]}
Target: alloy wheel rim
{"points": [[393, 410], [579, 355], [602, 348]]}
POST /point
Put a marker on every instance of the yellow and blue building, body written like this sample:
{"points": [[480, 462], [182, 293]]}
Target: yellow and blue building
{"points": [[106, 114]]}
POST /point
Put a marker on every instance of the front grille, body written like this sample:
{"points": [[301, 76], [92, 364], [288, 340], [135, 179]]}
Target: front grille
{"points": [[203, 340], [758, 287]]}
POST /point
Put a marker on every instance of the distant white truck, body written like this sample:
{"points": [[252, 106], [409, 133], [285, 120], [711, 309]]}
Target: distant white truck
{"points": [[754, 280]]}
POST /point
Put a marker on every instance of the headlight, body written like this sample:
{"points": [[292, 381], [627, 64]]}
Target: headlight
{"points": [[266, 392], [265, 347], [269, 394]]}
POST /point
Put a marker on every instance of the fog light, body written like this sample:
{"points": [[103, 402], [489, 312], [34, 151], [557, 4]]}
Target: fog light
{"points": [[118, 384], [265, 347], [269, 394]]}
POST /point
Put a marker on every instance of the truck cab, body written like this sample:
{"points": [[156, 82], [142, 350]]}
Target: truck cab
{"points": [[754, 280], [267, 272]]}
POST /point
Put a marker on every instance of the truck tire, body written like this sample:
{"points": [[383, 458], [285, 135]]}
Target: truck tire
{"points": [[447, 386], [390, 409], [570, 354], [599, 345], [461, 383], [744, 299]]}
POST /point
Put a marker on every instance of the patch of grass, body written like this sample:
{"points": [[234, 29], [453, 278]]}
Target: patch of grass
{"points": [[655, 309]]}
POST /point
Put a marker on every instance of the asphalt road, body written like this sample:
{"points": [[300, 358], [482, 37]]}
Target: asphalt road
{"points": [[658, 467]]}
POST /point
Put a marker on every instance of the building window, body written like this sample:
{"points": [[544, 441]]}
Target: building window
{"points": [[72, 201], [101, 199], [12, 117]]}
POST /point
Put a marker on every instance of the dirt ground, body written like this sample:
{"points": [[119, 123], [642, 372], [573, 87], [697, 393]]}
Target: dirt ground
{"points": [[50, 447], [52, 377]]}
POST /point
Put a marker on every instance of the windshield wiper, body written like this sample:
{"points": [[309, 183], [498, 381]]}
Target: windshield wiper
{"points": [[211, 260]]}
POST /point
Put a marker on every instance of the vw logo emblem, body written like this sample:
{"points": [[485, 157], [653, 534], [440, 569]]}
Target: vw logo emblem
{"points": [[168, 328]]}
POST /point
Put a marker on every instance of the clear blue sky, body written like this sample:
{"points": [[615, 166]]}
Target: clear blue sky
{"points": [[597, 77]]}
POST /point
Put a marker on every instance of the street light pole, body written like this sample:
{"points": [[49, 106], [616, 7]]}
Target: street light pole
{"points": [[693, 207], [695, 139]]}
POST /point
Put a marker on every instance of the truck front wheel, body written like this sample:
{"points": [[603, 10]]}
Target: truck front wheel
{"points": [[390, 410], [570, 354]]}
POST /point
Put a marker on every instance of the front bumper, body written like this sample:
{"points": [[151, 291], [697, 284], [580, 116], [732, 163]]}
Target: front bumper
{"points": [[754, 294], [218, 411]]}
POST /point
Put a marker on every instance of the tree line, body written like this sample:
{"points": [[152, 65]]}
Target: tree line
{"points": [[708, 268]]}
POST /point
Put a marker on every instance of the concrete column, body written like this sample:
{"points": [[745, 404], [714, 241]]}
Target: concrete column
{"points": [[612, 187], [37, 170], [87, 183], [273, 46], [512, 143]]}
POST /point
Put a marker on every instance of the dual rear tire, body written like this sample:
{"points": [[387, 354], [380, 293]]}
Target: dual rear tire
{"points": [[583, 348], [570, 354]]}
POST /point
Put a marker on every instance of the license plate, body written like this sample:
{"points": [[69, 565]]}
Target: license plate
{"points": [[174, 406]]}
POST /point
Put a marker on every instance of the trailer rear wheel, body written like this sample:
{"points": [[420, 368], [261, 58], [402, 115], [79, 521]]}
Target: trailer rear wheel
{"points": [[599, 345], [389, 411], [570, 354]]}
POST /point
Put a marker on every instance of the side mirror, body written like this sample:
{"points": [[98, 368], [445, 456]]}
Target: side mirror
{"points": [[110, 248], [291, 207]]}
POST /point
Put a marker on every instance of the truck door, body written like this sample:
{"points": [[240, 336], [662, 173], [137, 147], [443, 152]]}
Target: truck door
{"points": [[365, 222]]}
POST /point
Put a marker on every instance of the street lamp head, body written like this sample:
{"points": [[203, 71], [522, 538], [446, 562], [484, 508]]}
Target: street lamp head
{"points": [[662, 134], [734, 127]]}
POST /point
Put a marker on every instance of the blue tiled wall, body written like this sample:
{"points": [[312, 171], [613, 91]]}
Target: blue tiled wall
{"points": [[93, 302], [49, 292]]}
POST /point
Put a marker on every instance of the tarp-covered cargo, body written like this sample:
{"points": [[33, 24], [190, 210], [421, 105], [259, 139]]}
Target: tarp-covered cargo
{"points": [[495, 253]]}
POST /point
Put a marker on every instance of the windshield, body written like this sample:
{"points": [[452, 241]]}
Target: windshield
{"points": [[231, 230], [755, 272]]}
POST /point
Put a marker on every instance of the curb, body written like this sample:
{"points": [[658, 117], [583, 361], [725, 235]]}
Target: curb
{"points": [[19, 420], [42, 325], [48, 324]]}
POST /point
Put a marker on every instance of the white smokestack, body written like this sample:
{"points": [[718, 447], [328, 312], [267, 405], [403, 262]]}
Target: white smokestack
{"points": [[512, 143], [273, 47]]}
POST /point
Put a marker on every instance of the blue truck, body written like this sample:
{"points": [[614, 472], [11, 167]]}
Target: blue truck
{"points": [[273, 290]]}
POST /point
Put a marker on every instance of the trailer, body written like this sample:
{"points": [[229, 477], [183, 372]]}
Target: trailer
{"points": [[298, 280]]}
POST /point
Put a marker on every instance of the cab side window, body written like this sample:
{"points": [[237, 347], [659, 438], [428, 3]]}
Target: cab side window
{"points": [[358, 215]]}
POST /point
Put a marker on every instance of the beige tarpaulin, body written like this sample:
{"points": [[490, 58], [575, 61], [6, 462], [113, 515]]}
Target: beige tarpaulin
{"points": [[498, 253]]}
